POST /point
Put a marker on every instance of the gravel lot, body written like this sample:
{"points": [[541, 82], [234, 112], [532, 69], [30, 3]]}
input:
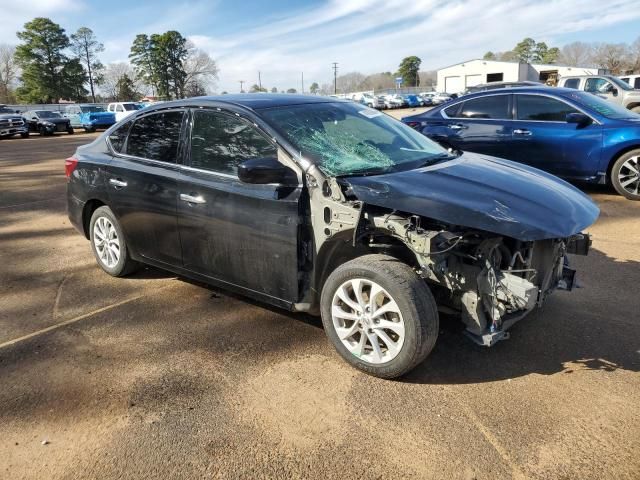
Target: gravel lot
{"points": [[158, 377]]}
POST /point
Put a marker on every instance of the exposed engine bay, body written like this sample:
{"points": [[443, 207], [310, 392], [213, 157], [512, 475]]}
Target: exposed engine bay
{"points": [[490, 280]]}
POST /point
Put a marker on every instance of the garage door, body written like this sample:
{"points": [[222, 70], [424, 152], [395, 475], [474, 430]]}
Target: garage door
{"points": [[472, 80], [453, 84]]}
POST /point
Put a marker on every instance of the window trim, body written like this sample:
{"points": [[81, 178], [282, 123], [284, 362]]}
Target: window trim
{"points": [[181, 142], [462, 101], [515, 109], [186, 165]]}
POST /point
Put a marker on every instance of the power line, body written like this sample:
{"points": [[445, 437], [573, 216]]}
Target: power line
{"points": [[241, 83]]}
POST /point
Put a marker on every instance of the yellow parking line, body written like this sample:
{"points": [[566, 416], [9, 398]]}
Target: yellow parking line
{"points": [[73, 320]]}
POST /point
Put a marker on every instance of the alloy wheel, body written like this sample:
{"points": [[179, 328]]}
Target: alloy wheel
{"points": [[629, 175], [106, 241], [368, 321]]}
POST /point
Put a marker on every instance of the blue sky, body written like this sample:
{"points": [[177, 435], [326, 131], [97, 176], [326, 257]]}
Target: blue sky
{"points": [[284, 38]]}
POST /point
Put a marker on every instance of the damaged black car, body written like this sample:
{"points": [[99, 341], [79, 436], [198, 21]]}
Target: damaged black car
{"points": [[330, 207]]}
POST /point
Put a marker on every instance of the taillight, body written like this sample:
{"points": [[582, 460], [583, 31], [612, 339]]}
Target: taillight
{"points": [[413, 124], [70, 165]]}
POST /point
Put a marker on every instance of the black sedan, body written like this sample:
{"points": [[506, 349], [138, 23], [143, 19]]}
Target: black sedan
{"points": [[329, 207], [46, 122]]}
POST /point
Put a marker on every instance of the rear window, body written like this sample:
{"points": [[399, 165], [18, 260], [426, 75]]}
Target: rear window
{"points": [[156, 137], [572, 83], [495, 107]]}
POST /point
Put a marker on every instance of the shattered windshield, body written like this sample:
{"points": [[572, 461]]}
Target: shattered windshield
{"points": [[349, 138]]}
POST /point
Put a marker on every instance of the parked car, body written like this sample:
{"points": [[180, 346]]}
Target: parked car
{"points": [[89, 116], [369, 100], [46, 122], [123, 109], [12, 123], [496, 85], [632, 80], [321, 205], [610, 88], [394, 101], [436, 98], [572, 134], [412, 101]]}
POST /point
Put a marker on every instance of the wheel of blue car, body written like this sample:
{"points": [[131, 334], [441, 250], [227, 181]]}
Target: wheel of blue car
{"points": [[379, 315], [625, 175]]}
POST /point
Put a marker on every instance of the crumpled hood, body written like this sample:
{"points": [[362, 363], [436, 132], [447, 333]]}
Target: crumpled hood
{"points": [[485, 193]]}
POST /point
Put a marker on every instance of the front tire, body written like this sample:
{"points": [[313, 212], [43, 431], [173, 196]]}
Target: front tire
{"points": [[625, 175], [25, 135], [379, 315], [108, 244]]}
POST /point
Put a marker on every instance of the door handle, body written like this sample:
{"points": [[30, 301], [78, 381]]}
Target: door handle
{"points": [[519, 131], [456, 126], [192, 198], [117, 183]]}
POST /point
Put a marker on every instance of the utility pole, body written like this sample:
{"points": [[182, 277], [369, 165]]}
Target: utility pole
{"points": [[241, 83], [335, 77], [259, 81], [302, 82]]}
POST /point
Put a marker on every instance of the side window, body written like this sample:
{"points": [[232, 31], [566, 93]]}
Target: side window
{"points": [[221, 142], [636, 83], [119, 108], [597, 85], [539, 108], [491, 107], [625, 79], [118, 137], [452, 111], [156, 136], [572, 83]]}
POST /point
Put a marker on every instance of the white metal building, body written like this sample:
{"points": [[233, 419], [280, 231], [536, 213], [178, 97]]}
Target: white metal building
{"points": [[457, 78]]}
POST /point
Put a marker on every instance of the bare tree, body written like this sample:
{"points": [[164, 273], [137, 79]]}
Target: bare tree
{"points": [[86, 48], [112, 78], [611, 56], [202, 70], [8, 72], [634, 56], [577, 54], [350, 82]]}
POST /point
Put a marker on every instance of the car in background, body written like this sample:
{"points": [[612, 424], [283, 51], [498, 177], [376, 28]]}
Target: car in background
{"points": [[606, 86], [436, 98], [369, 100], [123, 109], [632, 80], [89, 116], [12, 123], [412, 101], [325, 206], [46, 122], [394, 101], [572, 134], [496, 85]]}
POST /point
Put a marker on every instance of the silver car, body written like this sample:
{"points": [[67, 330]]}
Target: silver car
{"points": [[607, 87]]}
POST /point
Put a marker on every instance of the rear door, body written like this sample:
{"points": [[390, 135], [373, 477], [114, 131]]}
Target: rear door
{"points": [[142, 180], [482, 124], [241, 234], [542, 137]]}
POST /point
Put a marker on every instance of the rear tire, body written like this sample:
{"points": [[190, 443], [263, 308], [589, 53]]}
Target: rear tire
{"points": [[625, 175], [406, 331], [108, 244]]}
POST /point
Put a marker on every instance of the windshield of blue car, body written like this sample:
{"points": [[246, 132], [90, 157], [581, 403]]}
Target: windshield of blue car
{"points": [[351, 139], [600, 105], [92, 109], [47, 114]]}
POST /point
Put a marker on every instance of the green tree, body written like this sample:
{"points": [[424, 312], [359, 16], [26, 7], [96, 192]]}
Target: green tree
{"points": [[42, 59], [314, 88], [126, 89], [489, 56], [256, 88], [292, 90], [142, 61], [274, 90], [408, 70], [86, 48], [525, 50], [74, 79]]}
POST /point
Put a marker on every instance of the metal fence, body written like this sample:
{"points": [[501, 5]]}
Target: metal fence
{"points": [[52, 107]]}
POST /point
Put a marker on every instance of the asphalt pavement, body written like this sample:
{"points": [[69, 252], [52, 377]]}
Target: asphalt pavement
{"points": [[155, 376]]}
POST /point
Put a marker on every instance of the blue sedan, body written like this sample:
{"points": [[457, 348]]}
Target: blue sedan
{"points": [[575, 135]]}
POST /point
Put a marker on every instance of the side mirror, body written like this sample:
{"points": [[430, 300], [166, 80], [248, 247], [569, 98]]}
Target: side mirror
{"points": [[261, 171], [579, 119]]}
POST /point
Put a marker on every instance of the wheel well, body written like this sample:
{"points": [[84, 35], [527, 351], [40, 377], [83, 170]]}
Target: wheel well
{"points": [[89, 207], [340, 249], [633, 105], [616, 156]]}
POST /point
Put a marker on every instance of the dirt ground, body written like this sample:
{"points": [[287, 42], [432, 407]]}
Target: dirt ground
{"points": [[155, 376]]}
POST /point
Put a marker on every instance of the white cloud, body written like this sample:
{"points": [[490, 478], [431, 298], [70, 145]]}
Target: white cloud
{"points": [[16, 13]]}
